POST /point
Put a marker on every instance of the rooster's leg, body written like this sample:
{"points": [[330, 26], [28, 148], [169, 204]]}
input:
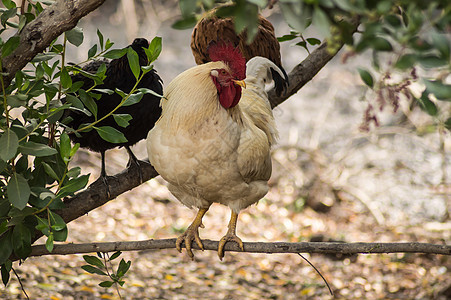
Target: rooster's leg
{"points": [[133, 160], [103, 174], [230, 236], [192, 234]]}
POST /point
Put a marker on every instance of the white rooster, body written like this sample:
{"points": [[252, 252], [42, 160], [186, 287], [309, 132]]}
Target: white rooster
{"points": [[213, 140]]}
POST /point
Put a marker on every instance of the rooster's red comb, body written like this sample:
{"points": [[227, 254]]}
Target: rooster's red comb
{"points": [[232, 56]]}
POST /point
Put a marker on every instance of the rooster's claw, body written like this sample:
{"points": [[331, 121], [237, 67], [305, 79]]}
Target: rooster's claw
{"points": [[229, 237], [191, 234]]}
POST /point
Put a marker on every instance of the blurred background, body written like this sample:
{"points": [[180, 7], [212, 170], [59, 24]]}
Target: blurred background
{"points": [[331, 181]]}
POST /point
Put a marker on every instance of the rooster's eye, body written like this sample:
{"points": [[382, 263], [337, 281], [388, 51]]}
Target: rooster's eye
{"points": [[223, 72]]}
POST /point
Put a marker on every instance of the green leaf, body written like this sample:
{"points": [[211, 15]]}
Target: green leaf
{"points": [[106, 284], [442, 43], [122, 119], [19, 78], [43, 226], [313, 41], [123, 268], [111, 134], [75, 102], [75, 36], [92, 51], [9, 143], [384, 7], [16, 100], [8, 14], [74, 172], [286, 37], [57, 223], [185, 23], [440, 90], [115, 54], [100, 36], [22, 22], [49, 242], [115, 255], [366, 77], [9, 4], [4, 209], [64, 146], [432, 61], [36, 149], [66, 81], [89, 103], [427, 105], [380, 44], [40, 57], [406, 61], [321, 21], [93, 270], [104, 91], [60, 235], [155, 48], [94, 260], [419, 44], [448, 124], [120, 93], [259, 3], [133, 99], [10, 45], [149, 91], [74, 149], [49, 171], [187, 7], [296, 14], [109, 44], [21, 240], [18, 191], [73, 185], [133, 62], [302, 44], [6, 247], [5, 272]]}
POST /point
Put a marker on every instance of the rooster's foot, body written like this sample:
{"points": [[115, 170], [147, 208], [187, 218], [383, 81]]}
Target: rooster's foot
{"points": [[229, 237], [192, 234]]}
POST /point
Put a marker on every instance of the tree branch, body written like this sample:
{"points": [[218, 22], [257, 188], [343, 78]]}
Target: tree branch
{"points": [[258, 247], [63, 15], [59, 17], [303, 73], [95, 195]]}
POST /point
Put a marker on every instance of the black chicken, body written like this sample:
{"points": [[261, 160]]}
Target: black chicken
{"points": [[144, 113]]}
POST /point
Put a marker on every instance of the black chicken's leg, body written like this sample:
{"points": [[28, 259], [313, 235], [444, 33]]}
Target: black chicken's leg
{"points": [[133, 160], [103, 174]]}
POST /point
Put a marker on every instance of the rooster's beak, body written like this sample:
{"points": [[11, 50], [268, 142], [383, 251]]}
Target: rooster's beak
{"points": [[240, 83]]}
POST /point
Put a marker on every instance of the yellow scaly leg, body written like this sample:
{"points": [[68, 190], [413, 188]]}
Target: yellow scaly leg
{"points": [[192, 234], [230, 236]]}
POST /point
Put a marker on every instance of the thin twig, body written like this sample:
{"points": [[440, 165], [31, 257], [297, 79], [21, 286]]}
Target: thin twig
{"points": [[317, 271], [255, 247], [20, 282], [116, 284]]}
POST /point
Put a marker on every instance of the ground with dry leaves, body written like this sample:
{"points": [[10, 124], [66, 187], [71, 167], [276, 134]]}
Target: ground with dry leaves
{"points": [[330, 181]]}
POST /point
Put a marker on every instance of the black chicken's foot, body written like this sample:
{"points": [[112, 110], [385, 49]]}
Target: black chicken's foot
{"points": [[107, 186], [103, 175], [133, 161]]}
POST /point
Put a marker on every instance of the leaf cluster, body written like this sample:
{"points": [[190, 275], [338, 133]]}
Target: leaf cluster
{"points": [[35, 148], [105, 268], [415, 32]]}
